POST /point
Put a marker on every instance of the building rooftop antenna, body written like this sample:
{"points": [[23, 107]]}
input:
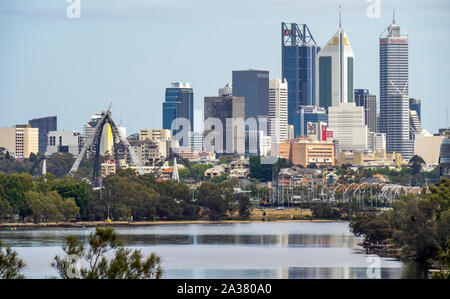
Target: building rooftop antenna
{"points": [[340, 16]]}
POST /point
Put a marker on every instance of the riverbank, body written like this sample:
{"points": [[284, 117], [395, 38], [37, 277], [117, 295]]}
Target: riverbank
{"points": [[84, 224]]}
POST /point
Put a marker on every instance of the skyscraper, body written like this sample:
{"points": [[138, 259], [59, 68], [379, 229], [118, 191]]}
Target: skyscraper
{"points": [[223, 108], [179, 103], [253, 85], [369, 101], [298, 66], [45, 125], [394, 91], [278, 110], [335, 76]]}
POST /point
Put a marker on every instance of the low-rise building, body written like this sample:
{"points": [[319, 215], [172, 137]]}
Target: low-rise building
{"points": [[108, 167], [63, 142], [373, 160], [305, 150]]}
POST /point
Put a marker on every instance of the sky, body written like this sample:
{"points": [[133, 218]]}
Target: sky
{"points": [[126, 52]]}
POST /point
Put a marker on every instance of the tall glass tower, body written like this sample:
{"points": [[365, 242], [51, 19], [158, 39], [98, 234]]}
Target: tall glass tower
{"points": [[336, 71], [298, 66], [394, 91], [179, 104]]}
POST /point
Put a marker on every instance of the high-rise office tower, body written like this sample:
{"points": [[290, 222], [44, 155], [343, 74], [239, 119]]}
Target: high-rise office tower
{"points": [[415, 104], [369, 101], [335, 75], [278, 110], [223, 108], [394, 91], [45, 125], [298, 66], [179, 103], [253, 85]]}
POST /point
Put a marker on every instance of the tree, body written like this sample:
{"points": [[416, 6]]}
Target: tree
{"points": [[417, 227], [312, 166], [11, 265], [244, 207], [444, 263], [416, 163], [124, 264], [215, 199], [374, 228], [5, 209], [323, 211], [51, 206], [69, 188]]}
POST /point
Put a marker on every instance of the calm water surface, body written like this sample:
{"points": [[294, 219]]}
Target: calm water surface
{"points": [[238, 250]]}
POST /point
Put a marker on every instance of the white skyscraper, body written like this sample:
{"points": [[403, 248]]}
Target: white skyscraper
{"points": [[394, 91], [278, 114], [335, 70], [347, 123]]}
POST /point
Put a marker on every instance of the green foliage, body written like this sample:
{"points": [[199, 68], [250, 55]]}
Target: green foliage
{"points": [[11, 265], [50, 206], [70, 188], [216, 199], [374, 228], [312, 166], [142, 198], [263, 172], [124, 264], [418, 224], [5, 209], [219, 179], [416, 163], [244, 208], [444, 263], [323, 211], [14, 187]]}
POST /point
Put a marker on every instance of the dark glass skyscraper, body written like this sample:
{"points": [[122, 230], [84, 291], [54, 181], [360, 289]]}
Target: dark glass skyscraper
{"points": [[298, 65], [253, 85], [223, 108], [179, 103], [369, 102], [45, 125]]}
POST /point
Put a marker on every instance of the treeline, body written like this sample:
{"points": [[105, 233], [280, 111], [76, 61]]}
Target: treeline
{"points": [[418, 224], [58, 164], [124, 196]]}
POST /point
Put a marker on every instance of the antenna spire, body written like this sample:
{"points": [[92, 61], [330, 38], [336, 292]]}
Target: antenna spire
{"points": [[393, 17], [340, 17]]}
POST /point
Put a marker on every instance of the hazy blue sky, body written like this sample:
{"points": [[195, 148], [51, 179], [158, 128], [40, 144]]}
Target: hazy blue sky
{"points": [[128, 51]]}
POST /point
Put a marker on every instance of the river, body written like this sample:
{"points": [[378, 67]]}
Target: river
{"points": [[235, 250]]}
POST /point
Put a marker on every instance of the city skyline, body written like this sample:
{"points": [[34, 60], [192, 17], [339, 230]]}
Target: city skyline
{"points": [[74, 66]]}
